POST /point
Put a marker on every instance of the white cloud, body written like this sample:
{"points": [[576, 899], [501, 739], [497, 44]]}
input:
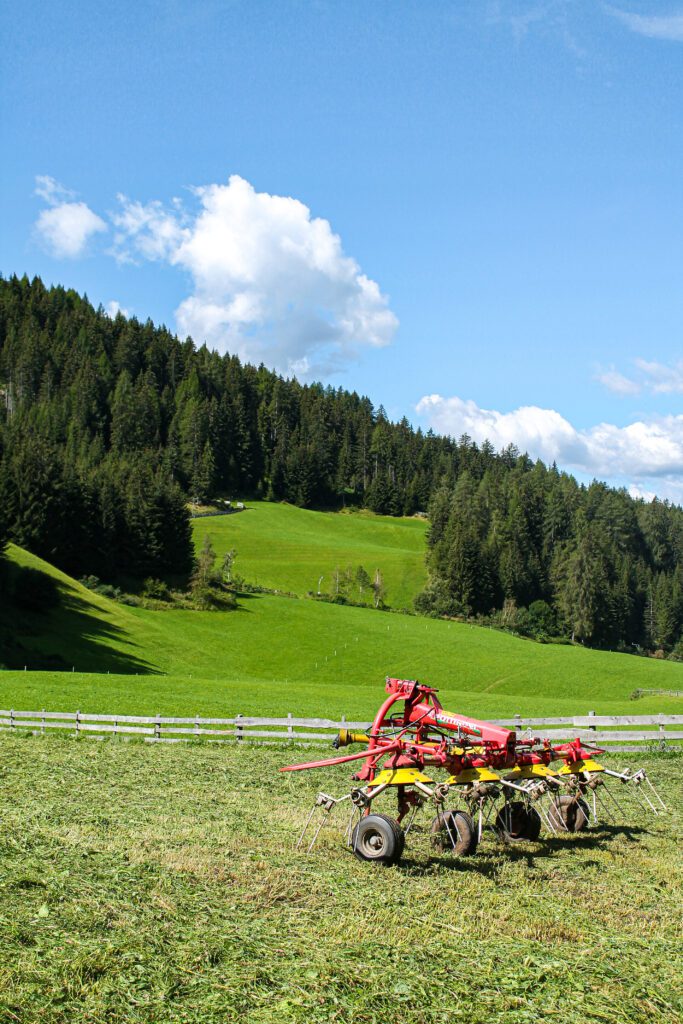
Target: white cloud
{"points": [[146, 230], [51, 191], [668, 26], [652, 376], [640, 453], [67, 226], [617, 383], [660, 378], [270, 282], [113, 308]]}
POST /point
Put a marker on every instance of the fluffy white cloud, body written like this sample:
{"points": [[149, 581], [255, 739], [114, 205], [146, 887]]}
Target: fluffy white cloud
{"points": [[67, 226], [147, 230], [666, 26], [637, 453], [270, 281]]}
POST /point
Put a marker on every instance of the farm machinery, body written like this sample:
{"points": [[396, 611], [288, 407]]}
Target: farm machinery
{"points": [[494, 779]]}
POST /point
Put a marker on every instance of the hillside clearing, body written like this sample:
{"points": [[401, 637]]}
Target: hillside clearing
{"points": [[288, 548]]}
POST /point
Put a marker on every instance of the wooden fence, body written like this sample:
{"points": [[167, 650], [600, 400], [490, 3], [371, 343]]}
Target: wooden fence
{"points": [[614, 733]]}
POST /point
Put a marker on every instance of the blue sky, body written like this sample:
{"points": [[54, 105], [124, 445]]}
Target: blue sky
{"points": [[470, 211]]}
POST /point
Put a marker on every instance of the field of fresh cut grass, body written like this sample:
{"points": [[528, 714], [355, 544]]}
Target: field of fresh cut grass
{"points": [[153, 884], [274, 655], [288, 548]]}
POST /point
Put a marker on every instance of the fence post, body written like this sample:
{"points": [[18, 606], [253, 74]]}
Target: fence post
{"points": [[290, 727], [42, 723], [11, 718], [116, 727], [592, 728], [239, 728], [518, 723], [662, 735], [157, 726], [78, 722], [196, 725]]}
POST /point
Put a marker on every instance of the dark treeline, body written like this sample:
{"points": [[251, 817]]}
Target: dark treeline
{"points": [[556, 558], [108, 426]]}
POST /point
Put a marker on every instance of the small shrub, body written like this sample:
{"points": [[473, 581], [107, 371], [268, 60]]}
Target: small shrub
{"points": [[155, 590]]}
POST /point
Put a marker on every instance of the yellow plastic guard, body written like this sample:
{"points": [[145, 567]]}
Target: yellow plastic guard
{"points": [[468, 775], [530, 771], [580, 766], [400, 777]]}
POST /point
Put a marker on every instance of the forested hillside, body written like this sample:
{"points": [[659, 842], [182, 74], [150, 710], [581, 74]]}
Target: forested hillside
{"points": [[108, 426], [555, 557]]}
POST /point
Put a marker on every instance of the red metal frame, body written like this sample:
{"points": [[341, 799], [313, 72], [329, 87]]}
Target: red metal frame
{"points": [[426, 735]]}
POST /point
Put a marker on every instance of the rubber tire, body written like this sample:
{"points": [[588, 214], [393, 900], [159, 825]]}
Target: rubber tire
{"points": [[569, 813], [525, 823], [466, 835], [389, 839], [533, 825]]}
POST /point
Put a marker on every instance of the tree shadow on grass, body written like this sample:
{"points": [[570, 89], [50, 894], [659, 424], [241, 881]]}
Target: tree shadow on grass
{"points": [[68, 635]]}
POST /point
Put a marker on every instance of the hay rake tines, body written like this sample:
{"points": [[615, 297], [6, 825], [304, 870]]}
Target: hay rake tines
{"points": [[495, 781]]}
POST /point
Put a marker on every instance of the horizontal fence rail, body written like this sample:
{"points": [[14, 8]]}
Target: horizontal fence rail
{"points": [[609, 731]]}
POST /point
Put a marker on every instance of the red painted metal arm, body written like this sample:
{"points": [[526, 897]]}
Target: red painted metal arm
{"points": [[377, 752]]}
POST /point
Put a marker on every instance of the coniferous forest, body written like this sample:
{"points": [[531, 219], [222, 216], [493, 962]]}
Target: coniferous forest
{"points": [[109, 426]]}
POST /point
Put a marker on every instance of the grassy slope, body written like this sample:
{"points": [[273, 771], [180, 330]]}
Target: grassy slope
{"points": [[289, 548], [160, 885], [277, 654]]}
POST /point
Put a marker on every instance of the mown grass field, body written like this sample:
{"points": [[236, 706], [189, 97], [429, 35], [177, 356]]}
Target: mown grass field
{"points": [[287, 548], [277, 654], [160, 884]]}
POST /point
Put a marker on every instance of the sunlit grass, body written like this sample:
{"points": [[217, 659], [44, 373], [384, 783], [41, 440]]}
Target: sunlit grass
{"points": [[155, 884]]}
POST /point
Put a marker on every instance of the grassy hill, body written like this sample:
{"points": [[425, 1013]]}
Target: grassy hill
{"points": [[277, 654], [287, 548]]}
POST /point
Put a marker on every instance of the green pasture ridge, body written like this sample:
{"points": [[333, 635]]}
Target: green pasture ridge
{"points": [[283, 547], [276, 655]]}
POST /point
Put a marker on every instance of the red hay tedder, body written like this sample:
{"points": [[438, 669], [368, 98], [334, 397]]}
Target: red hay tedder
{"points": [[494, 779]]}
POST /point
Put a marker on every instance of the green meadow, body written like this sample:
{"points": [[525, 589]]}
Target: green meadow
{"points": [[287, 548], [276, 654]]}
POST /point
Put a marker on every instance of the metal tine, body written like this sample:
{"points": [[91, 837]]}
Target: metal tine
{"points": [[644, 803], [546, 816], [548, 820], [413, 815], [323, 817], [614, 801], [603, 808], [560, 819], [305, 828], [349, 829], [655, 793], [447, 827]]}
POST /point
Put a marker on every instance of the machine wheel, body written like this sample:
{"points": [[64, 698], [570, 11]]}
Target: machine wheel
{"points": [[569, 813], [379, 838], [533, 826], [455, 832], [517, 822]]}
